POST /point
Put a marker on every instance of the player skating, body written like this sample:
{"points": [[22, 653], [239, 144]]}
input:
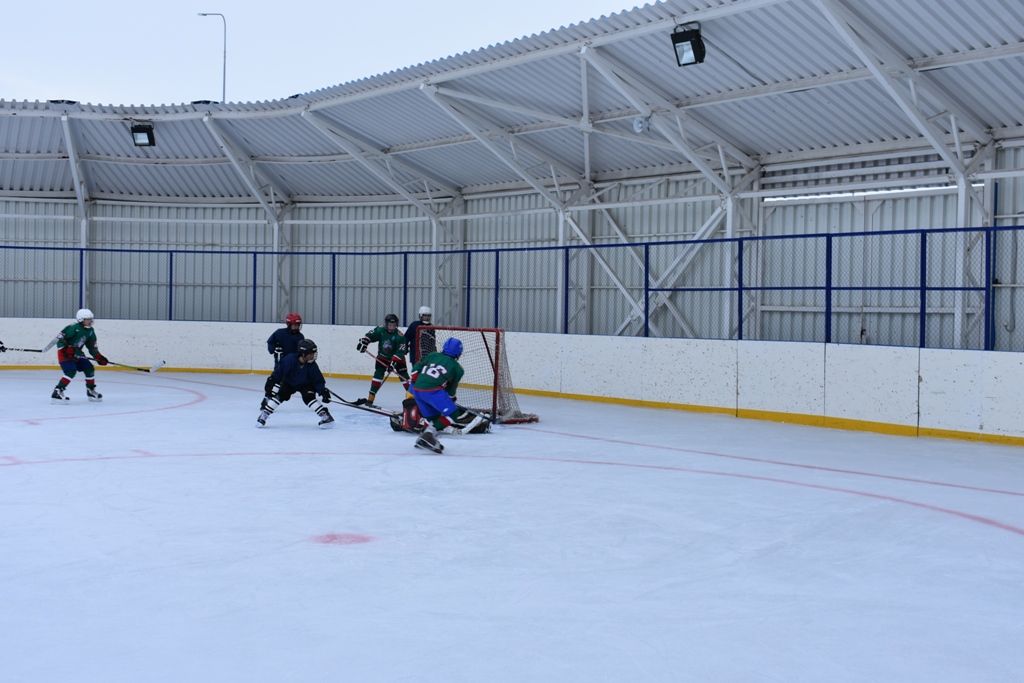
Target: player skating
{"points": [[282, 342], [70, 344], [298, 373], [390, 355], [435, 382]]}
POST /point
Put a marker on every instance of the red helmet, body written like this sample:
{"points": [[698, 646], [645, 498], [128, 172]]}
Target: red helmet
{"points": [[293, 319]]}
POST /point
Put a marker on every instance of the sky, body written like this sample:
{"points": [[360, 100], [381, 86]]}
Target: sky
{"points": [[603, 543], [120, 52]]}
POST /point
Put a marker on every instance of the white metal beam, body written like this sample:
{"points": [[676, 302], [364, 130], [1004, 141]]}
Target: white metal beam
{"points": [[370, 152], [921, 83], [325, 127], [841, 19], [78, 175], [660, 103], [636, 93], [481, 134], [243, 167]]}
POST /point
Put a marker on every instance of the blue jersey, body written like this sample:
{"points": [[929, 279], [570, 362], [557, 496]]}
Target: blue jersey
{"points": [[290, 372], [286, 339]]}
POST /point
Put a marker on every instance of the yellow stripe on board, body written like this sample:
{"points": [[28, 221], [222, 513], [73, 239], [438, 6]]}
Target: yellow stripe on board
{"points": [[745, 413]]}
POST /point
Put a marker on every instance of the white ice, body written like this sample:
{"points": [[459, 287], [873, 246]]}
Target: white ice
{"points": [[159, 536]]}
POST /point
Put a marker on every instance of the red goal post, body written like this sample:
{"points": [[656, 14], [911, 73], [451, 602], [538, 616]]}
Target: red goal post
{"points": [[487, 384]]}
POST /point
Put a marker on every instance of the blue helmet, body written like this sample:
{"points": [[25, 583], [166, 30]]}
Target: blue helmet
{"points": [[452, 347]]}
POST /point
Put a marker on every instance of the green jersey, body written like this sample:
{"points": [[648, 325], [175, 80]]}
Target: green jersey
{"points": [[73, 339], [389, 343], [438, 371]]}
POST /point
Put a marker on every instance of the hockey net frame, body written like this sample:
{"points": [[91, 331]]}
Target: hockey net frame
{"points": [[486, 386]]}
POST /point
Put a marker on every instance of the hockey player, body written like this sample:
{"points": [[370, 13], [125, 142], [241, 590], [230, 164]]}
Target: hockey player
{"points": [[435, 380], [298, 373], [428, 341], [390, 355], [70, 354], [281, 343]]}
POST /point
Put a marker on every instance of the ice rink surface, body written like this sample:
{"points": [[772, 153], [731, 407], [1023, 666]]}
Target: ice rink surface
{"points": [[159, 536]]}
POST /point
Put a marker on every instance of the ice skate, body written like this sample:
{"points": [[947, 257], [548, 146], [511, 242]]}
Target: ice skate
{"points": [[93, 395], [58, 395], [326, 420], [428, 442], [261, 421]]}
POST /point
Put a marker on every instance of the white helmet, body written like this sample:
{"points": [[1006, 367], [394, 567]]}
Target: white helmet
{"points": [[425, 310], [83, 314]]}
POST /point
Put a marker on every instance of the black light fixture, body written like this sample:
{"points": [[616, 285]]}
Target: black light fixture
{"points": [[687, 43], [142, 135]]}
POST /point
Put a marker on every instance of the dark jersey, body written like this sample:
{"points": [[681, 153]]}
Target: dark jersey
{"points": [[437, 371], [427, 342], [388, 343], [286, 339], [73, 338], [291, 372]]}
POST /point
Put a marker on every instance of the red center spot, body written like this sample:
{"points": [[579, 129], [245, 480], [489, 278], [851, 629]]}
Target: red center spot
{"points": [[341, 539]]}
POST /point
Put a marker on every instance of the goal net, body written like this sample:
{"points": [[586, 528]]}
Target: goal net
{"points": [[486, 385]]}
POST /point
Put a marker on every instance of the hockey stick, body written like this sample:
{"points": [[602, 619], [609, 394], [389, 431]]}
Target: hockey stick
{"points": [[153, 368], [14, 348], [46, 348], [362, 406], [483, 416]]}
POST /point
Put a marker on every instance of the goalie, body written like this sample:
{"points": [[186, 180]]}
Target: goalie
{"points": [[410, 420], [435, 380]]}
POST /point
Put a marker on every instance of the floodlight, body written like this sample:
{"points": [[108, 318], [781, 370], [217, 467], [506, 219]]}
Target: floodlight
{"points": [[142, 135], [687, 43]]}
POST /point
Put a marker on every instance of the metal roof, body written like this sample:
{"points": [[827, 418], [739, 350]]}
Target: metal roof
{"points": [[783, 79]]}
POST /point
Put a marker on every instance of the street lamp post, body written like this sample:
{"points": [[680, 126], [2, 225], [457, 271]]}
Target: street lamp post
{"points": [[224, 72]]}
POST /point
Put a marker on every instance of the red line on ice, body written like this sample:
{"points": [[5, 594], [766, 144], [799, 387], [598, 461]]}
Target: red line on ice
{"points": [[784, 463]]}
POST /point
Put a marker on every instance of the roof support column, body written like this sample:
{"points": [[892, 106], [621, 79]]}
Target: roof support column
{"points": [[78, 177], [242, 163]]}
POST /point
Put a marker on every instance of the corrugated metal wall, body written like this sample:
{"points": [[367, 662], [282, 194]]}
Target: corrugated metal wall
{"points": [[1008, 272], [605, 286], [38, 283]]}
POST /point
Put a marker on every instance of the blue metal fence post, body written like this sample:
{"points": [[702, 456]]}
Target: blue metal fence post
{"points": [[922, 328], [647, 290], [334, 289], [828, 289], [254, 288], [170, 285], [81, 278], [405, 286], [988, 317], [565, 291], [497, 284], [739, 289], [469, 283]]}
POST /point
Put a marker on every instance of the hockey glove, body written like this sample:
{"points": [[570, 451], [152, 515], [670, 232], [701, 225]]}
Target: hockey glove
{"points": [[100, 358], [2, 347], [363, 343], [325, 395]]}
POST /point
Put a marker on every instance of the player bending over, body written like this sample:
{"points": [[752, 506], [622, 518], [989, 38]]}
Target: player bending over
{"points": [[70, 344], [298, 373], [281, 343], [435, 381]]}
